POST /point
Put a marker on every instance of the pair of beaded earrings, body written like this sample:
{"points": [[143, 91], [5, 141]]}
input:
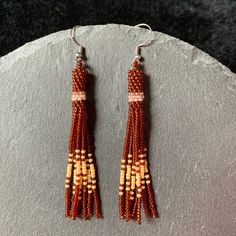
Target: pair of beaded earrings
{"points": [[82, 195]]}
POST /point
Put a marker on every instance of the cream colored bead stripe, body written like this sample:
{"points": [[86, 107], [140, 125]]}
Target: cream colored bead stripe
{"points": [[136, 97], [78, 96]]}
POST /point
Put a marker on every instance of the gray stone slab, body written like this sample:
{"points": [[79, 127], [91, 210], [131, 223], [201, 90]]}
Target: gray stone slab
{"points": [[192, 101]]}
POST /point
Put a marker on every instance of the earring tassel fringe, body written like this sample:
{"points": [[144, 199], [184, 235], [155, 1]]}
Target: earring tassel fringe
{"points": [[81, 181], [135, 179]]}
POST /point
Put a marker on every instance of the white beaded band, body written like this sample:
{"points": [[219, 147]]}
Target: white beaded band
{"points": [[136, 97], [78, 96]]}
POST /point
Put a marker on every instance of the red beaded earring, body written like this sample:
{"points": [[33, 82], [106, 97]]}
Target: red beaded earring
{"points": [[81, 181], [135, 178]]}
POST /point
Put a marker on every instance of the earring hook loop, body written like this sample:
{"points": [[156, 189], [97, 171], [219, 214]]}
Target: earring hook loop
{"points": [[143, 44], [72, 37], [147, 42]]}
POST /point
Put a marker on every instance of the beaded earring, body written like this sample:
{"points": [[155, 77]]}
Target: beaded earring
{"points": [[81, 181], [135, 179]]}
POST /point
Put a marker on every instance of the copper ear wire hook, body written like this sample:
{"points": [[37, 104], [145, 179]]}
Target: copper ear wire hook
{"points": [[72, 36], [144, 44]]}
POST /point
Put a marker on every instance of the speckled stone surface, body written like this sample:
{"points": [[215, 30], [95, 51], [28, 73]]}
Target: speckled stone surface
{"points": [[191, 101]]}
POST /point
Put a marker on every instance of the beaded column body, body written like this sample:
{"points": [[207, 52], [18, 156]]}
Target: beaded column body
{"points": [[135, 179], [81, 182]]}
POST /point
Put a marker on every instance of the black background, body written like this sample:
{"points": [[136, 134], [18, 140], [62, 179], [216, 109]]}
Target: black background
{"points": [[208, 24]]}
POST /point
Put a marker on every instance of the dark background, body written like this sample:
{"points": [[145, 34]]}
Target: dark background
{"points": [[208, 24]]}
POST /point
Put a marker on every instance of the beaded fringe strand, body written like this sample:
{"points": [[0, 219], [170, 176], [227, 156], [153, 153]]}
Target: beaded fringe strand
{"points": [[135, 179], [81, 181]]}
